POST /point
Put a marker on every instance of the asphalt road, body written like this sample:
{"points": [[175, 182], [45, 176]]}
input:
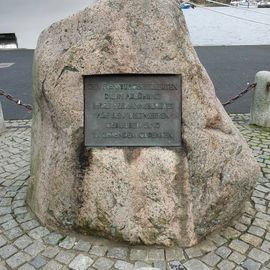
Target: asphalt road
{"points": [[17, 81], [230, 68]]}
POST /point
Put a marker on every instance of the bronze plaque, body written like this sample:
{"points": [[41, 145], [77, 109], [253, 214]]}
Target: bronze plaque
{"points": [[132, 110]]}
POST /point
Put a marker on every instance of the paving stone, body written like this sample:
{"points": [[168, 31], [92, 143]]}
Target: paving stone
{"points": [[38, 262], [9, 224], [211, 259], [258, 194], [10, 194], [262, 189], [263, 216], [5, 218], [13, 233], [20, 210], [156, 255], [7, 251], [140, 264], [206, 246], [68, 242], [260, 223], [147, 268], [53, 238], [5, 210], [29, 225], [23, 217], [67, 268], [176, 265], [82, 246], [259, 255], [17, 260], [267, 236], [38, 232], [20, 196], [23, 242], [26, 266], [53, 265], [239, 246], [81, 262], [195, 264], [103, 264], [122, 265], [224, 252], [230, 233], [5, 201], [226, 265], [18, 203], [237, 257], [256, 231], [3, 241], [35, 248], [65, 257], [50, 252], [118, 253], [251, 239], [266, 246], [193, 252], [98, 250], [161, 265], [245, 220], [138, 254], [251, 265], [174, 254], [261, 208], [3, 267], [240, 227]]}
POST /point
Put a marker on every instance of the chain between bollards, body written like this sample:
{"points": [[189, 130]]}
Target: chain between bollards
{"points": [[15, 100], [230, 101], [233, 99]]}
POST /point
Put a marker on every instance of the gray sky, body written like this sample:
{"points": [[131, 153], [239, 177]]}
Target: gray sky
{"points": [[27, 18]]}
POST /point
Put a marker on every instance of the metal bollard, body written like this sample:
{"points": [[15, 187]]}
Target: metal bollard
{"points": [[2, 123], [260, 106]]}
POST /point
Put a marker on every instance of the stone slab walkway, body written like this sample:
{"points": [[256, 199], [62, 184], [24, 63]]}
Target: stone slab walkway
{"points": [[27, 245]]}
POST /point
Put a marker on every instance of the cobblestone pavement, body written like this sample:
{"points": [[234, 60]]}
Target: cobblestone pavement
{"points": [[26, 245]]}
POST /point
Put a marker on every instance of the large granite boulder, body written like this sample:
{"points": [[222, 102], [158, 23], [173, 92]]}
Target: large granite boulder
{"points": [[148, 195]]}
